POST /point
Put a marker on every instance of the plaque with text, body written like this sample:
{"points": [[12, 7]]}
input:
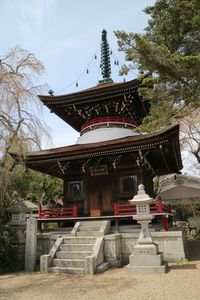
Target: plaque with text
{"points": [[100, 170]]}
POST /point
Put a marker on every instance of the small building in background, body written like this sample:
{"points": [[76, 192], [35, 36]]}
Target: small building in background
{"points": [[178, 189], [182, 192]]}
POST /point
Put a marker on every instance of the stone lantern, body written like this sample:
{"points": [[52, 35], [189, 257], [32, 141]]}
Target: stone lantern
{"points": [[145, 257]]}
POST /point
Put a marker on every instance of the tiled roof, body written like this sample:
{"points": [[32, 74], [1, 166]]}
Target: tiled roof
{"points": [[112, 87], [136, 140]]}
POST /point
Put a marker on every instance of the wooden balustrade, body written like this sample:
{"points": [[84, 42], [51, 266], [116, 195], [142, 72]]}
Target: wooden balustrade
{"points": [[128, 209], [48, 213], [155, 208]]}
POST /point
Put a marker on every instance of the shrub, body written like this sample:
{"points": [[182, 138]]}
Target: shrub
{"points": [[7, 241]]}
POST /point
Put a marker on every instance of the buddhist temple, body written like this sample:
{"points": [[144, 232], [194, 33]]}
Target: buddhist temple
{"points": [[110, 158]]}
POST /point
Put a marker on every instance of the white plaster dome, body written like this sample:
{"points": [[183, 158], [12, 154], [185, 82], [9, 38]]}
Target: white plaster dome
{"points": [[95, 132]]}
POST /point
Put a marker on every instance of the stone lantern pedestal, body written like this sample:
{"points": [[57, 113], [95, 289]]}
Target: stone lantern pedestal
{"points": [[145, 258]]}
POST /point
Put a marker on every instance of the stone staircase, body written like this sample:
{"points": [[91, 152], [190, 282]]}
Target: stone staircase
{"points": [[80, 253], [70, 258]]}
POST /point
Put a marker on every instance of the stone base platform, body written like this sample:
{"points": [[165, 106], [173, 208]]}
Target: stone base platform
{"points": [[146, 260], [146, 269]]}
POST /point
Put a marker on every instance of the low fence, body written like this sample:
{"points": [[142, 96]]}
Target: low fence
{"points": [[157, 208], [128, 209], [50, 213]]}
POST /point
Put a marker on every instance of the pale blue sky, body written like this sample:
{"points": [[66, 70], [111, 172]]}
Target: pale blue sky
{"points": [[64, 35]]}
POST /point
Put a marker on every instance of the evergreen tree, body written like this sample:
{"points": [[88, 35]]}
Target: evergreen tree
{"points": [[169, 51], [34, 186]]}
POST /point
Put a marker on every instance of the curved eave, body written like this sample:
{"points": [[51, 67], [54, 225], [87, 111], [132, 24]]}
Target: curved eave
{"points": [[163, 147], [91, 93]]}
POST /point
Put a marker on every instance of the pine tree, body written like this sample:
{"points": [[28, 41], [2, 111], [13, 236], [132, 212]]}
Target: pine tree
{"points": [[170, 51]]}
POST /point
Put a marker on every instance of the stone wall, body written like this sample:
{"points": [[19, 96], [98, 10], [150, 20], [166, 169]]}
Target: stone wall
{"points": [[45, 242], [113, 249], [117, 247], [120, 246]]}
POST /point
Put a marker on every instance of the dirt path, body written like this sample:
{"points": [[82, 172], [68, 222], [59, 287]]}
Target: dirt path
{"points": [[181, 282]]}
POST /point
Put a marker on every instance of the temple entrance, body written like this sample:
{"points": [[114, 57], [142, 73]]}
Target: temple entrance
{"points": [[100, 195]]}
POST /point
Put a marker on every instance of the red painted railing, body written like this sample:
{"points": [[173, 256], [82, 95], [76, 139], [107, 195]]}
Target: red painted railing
{"points": [[128, 209], [124, 209], [110, 119], [155, 208], [48, 213]]}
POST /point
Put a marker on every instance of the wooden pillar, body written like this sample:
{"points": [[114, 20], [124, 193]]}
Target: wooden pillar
{"points": [[85, 189], [65, 192]]}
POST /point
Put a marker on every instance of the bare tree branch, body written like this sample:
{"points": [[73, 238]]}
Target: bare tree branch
{"points": [[20, 127]]}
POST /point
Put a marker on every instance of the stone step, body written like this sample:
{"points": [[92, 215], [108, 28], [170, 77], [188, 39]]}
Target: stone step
{"points": [[72, 254], [66, 270], [79, 240], [89, 228], [75, 263], [61, 230], [88, 233], [91, 223], [76, 247]]}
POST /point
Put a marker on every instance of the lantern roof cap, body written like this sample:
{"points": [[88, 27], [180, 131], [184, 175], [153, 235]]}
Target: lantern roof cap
{"points": [[142, 197]]}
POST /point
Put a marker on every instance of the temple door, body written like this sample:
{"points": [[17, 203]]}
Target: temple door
{"points": [[100, 194]]}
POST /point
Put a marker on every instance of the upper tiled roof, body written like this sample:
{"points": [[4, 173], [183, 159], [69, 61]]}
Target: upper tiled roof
{"points": [[97, 90]]}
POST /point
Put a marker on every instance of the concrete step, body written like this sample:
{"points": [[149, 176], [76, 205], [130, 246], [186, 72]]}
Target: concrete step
{"points": [[66, 270], [88, 233], [61, 230], [89, 228], [79, 240], [75, 263], [91, 223], [76, 247], [72, 254]]}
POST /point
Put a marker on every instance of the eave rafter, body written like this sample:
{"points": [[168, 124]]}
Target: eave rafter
{"points": [[88, 112], [164, 159], [142, 161], [120, 105], [178, 162]]}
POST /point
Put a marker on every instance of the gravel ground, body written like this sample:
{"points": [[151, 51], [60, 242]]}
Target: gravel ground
{"points": [[180, 282]]}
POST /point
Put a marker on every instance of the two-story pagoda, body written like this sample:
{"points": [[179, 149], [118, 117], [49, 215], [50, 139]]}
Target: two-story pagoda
{"points": [[110, 159]]}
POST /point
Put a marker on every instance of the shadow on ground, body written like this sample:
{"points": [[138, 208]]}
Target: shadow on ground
{"points": [[182, 267]]}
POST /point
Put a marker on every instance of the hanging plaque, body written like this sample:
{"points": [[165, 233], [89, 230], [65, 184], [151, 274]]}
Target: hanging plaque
{"points": [[100, 170]]}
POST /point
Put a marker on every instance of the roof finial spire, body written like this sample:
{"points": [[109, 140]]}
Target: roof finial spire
{"points": [[105, 59]]}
